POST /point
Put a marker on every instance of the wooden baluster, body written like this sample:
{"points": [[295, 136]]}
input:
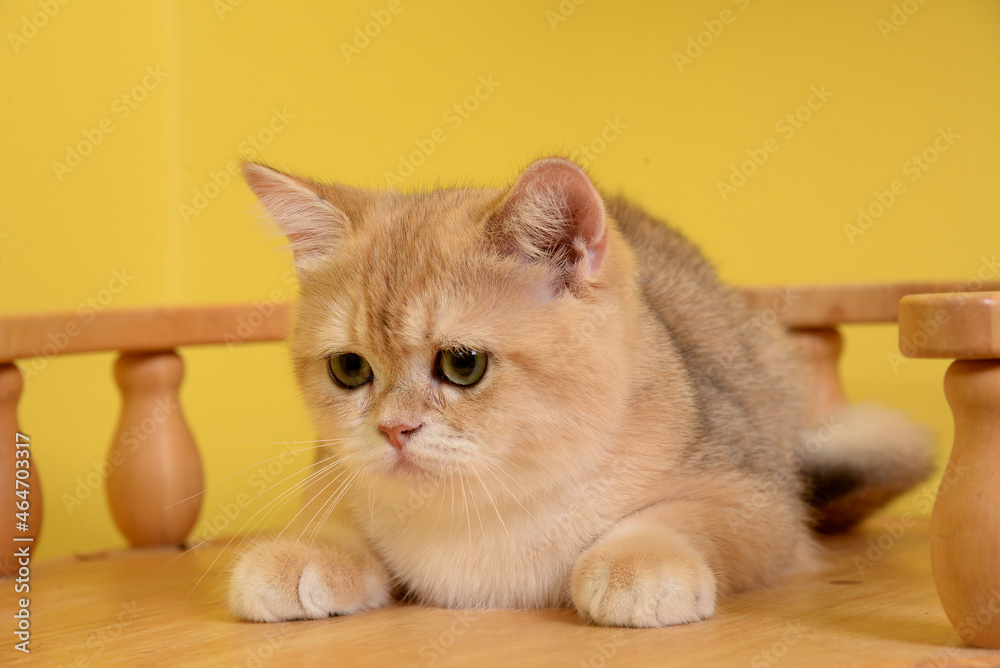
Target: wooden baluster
{"points": [[965, 526], [11, 384], [821, 349], [155, 480]]}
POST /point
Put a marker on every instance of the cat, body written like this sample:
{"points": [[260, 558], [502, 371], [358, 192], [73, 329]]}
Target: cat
{"points": [[527, 398]]}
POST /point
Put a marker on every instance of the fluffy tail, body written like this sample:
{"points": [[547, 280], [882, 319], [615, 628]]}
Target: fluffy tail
{"points": [[860, 458]]}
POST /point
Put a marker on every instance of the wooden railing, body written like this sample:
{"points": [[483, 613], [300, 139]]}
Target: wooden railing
{"points": [[155, 477]]}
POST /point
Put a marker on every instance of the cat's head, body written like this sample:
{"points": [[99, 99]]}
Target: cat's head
{"points": [[462, 330]]}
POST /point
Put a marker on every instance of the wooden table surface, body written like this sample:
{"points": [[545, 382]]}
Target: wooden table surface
{"points": [[873, 604]]}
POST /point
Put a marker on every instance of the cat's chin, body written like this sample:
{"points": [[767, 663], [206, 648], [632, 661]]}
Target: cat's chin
{"points": [[405, 466]]}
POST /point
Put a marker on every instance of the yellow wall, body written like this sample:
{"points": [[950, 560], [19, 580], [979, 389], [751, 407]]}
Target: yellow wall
{"points": [[563, 74]]}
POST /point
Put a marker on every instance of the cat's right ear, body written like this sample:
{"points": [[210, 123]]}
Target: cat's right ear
{"points": [[311, 223]]}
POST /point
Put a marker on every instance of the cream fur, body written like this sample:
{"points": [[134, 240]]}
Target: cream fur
{"points": [[612, 457]]}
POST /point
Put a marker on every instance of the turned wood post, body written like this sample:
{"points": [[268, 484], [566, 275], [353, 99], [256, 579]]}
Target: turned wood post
{"points": [[11, 384], [965, 526], [820, 348], [155, 479]]}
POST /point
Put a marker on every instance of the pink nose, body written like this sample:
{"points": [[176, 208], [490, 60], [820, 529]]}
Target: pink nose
{"points": [[398, 433]]}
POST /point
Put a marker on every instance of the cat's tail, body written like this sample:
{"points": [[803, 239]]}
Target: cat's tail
{"points": [[859, 458]]}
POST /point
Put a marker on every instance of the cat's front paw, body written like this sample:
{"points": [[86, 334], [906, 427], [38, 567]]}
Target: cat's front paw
{"points": [[284, 580], [641, 583]]}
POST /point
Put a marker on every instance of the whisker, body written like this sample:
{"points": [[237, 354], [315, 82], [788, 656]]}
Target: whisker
{"points": [[247, 468], [492, 502]]}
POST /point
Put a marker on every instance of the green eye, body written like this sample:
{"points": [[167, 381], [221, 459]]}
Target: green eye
{"points": [[461, 366], [350, 370]]}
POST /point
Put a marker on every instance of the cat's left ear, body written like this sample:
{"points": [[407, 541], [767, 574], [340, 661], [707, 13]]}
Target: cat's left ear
{"points": [[554, 213], [303, 210]]}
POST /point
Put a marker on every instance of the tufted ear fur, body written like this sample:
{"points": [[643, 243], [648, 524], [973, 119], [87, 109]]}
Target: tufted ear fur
{"points": [[553, 213], [304, 211]]}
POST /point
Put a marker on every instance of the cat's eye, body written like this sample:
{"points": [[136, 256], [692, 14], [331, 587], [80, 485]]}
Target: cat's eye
{"points": [[460, 366], [350, 370]]}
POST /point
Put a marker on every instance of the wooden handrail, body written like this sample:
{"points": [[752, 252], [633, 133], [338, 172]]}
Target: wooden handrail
{"points": [[140, 329], [165, 328]]}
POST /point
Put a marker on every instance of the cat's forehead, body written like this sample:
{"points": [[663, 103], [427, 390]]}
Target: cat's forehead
{"points": [[415, 275]]}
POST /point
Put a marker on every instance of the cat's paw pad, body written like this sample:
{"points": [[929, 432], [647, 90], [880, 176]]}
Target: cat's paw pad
{"points": [[641, 587], [283, 580]]}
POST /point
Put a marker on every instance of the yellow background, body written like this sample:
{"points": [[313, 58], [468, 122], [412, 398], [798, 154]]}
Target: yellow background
{"points": [[564, 71]]}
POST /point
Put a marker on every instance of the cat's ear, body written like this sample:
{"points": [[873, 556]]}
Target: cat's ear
{"points": [[312, 223], [554, 213]]}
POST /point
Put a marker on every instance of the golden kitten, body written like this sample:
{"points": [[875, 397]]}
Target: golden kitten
{"points": [[528, 398]]}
